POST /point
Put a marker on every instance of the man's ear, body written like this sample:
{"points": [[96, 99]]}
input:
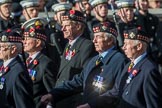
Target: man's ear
{"points": [[38, 42], [110, 41], [23, 12], [78, 26], [14, 49], [139, 46]]}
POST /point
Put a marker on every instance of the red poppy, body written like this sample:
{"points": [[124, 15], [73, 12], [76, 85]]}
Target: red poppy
{"points": [[73, 53], [72, 12], [31, 30], [8, 30], [37, 27], [35, 62], [134, 72], [139, 28], [6, 69]]}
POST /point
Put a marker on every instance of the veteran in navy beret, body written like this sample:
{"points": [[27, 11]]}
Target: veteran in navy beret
{"points": [[15, 83], [77, 52], [140, 83], [42, 70]]}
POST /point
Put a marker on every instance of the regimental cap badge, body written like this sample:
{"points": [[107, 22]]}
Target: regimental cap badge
{"points": [[32, 31], [4, 38], [132, 35], [104, 26], [38, 23]]}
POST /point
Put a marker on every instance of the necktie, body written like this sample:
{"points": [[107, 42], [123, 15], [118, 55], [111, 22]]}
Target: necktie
{"points": [[28, 60], [99, 60], [130, 66]]}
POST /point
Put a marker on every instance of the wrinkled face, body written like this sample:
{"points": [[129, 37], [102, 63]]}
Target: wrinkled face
{"points": [[102, 9], [69, 29], [127, 13], [5, 9], [30, 12], [143, 4], [29, 44], [5, 51], [130, 49], [100, 41], [155, 4]]}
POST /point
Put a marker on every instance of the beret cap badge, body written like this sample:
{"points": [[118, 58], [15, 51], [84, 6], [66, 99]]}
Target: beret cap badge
{"points": [[104, 26], [132, 35], [4, 38], [32, 31]]}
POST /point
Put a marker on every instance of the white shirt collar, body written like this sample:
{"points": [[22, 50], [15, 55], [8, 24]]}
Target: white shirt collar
{"points": [[73, 41], [34, 55], [138, 59], [7, 62]]}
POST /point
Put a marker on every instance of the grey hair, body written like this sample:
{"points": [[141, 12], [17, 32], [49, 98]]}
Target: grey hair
{"points": [[145, 45], [18, 45], [111, 36]]}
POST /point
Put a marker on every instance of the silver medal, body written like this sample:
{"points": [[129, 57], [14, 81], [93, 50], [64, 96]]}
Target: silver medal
{"points": [[1, 86]]}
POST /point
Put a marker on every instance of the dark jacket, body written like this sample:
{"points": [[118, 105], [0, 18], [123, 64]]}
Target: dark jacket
{"points": [[45, 77], [17, 91], [144, 91], [110, 69]]}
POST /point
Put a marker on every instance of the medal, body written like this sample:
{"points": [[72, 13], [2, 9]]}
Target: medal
{"points": [[1, 86], [131, 76], [32, 74], [0, 74], [2, 80], [98, 81]]}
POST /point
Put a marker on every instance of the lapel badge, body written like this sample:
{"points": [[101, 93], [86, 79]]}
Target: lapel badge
{"points": [[4, 38], [132, 35], [2, 81]]}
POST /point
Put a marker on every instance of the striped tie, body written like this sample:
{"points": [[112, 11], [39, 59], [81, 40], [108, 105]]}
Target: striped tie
{"points": [[99, 60], [130, 66], [28, 60]]}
